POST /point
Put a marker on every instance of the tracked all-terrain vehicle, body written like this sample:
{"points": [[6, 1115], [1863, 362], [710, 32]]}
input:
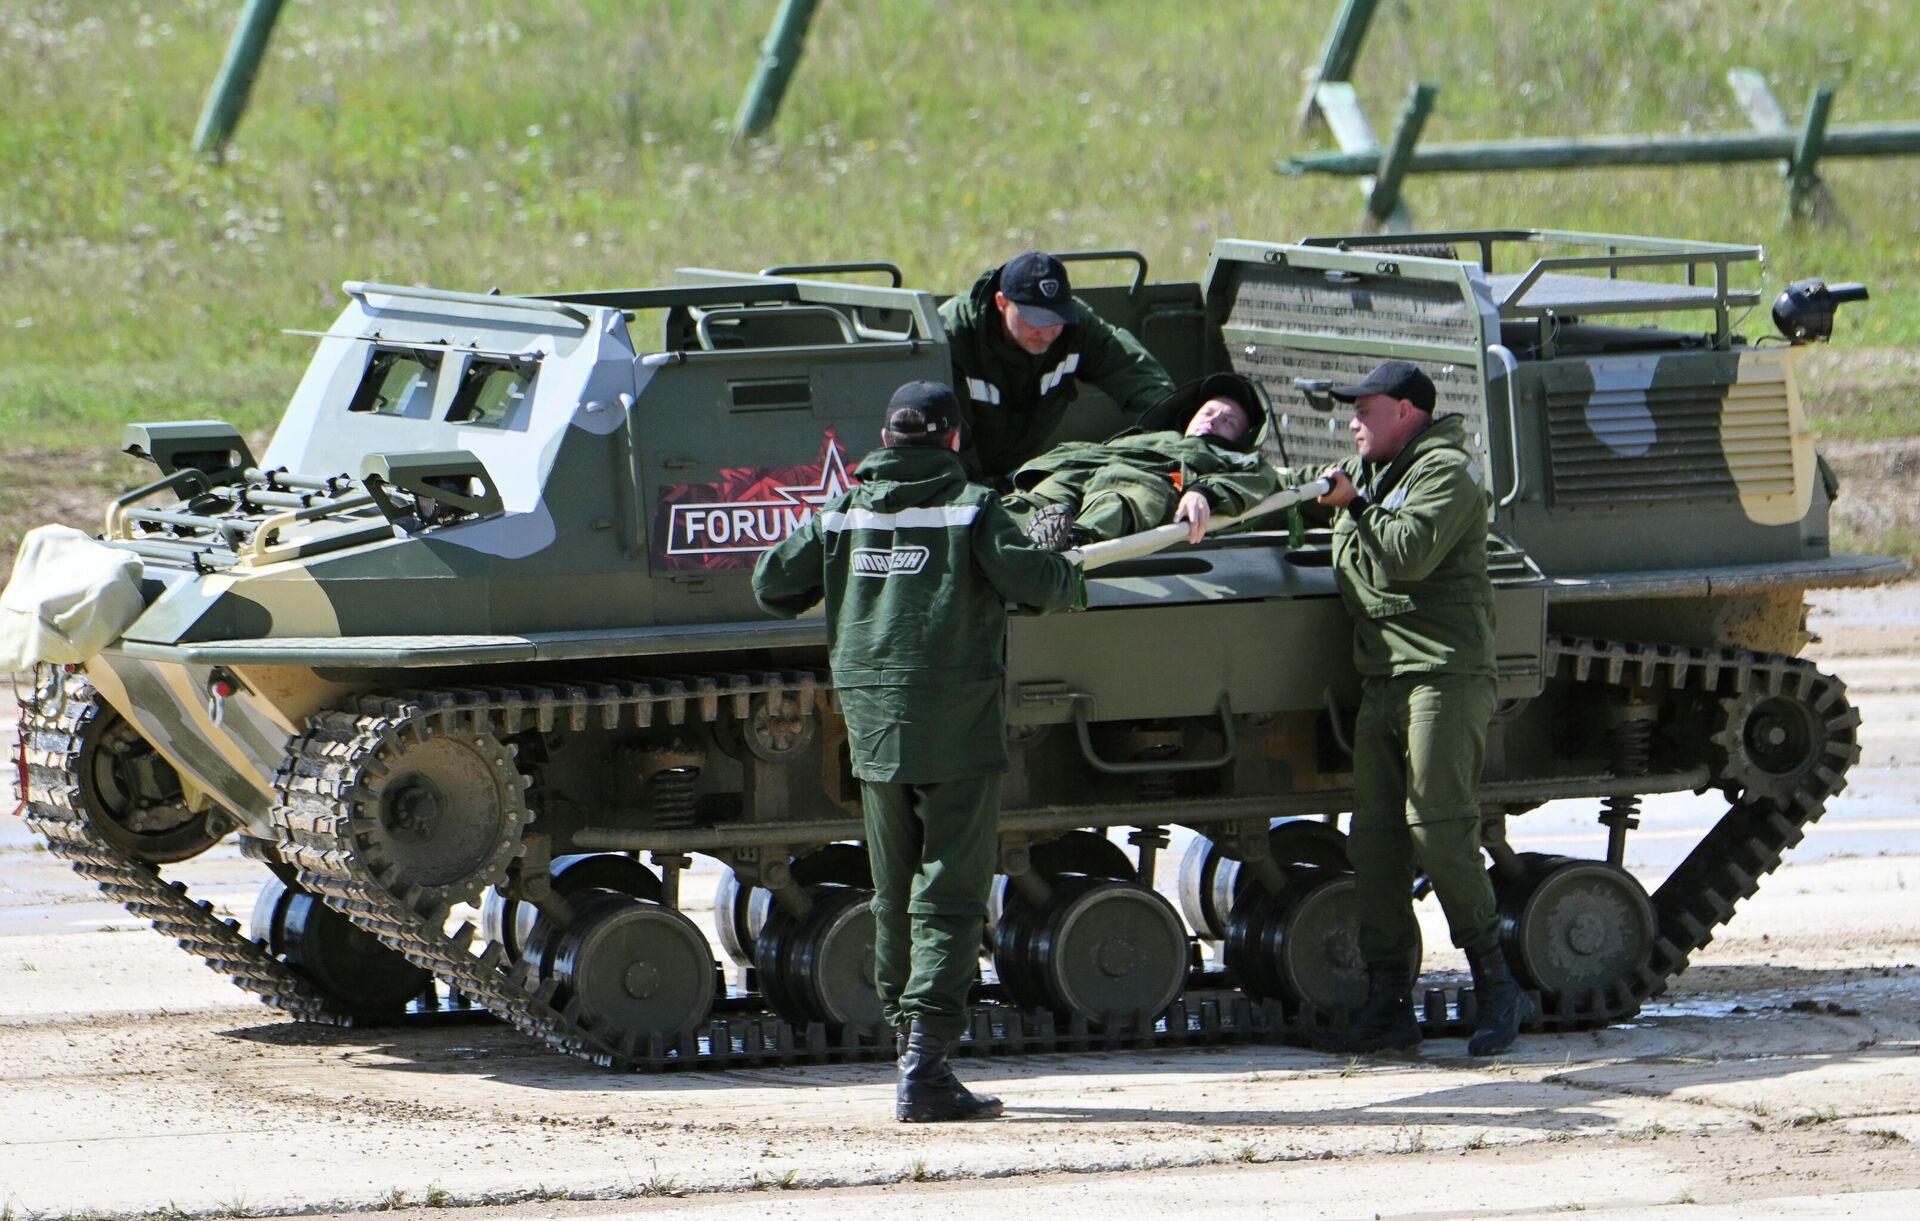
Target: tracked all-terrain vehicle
{"points": [[476, 630]]}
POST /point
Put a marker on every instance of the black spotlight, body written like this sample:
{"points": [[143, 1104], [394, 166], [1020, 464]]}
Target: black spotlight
{"points": [[1804, 309]]}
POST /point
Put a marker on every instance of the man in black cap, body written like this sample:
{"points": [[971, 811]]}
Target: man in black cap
{"points": [[916, 566], [1410, 556], [1021, 343], [1191, 455]]}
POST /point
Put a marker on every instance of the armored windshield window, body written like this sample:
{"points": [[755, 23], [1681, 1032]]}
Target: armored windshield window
{"points": [[493, 393], [397, 383]]}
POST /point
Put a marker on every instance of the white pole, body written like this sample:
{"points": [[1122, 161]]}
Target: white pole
{"points": [[1133, 546]]}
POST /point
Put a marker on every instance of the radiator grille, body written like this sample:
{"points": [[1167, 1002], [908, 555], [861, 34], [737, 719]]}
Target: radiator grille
{"points": [[1670, 443], [1360, 322]]}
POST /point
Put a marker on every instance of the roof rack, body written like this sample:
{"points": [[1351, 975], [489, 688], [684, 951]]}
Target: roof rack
{"points": [[1557, 286]]}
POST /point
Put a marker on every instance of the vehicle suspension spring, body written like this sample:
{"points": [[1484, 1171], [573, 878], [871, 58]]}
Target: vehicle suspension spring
{"points": [[1151, 745], [1157, 786], [670, 798], [1629, 751]]}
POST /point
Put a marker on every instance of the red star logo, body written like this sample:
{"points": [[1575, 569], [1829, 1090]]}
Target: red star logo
{"points": [[752, 509]]}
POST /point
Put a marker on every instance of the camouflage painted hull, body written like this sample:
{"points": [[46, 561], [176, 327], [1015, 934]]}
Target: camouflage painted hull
{"points": [[476, 629]]}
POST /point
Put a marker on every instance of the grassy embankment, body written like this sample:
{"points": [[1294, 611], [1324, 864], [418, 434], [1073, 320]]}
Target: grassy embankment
{"points": [[549, 143]]}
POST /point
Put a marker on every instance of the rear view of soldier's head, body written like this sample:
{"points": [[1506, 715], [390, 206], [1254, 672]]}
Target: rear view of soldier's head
{"points": [[923, 414]]}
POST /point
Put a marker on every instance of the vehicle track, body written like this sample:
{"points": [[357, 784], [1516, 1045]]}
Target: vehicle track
{"points": [[53, 730], [321, 785]]}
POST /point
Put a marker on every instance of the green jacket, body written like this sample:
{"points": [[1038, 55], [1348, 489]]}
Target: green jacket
{"points": [[916, 566], [1412, 563], [1013, 401], [1232, 482]]}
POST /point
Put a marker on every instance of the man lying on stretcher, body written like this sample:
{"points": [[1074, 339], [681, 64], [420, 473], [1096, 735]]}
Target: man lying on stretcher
{"points": [[1191, 455]]}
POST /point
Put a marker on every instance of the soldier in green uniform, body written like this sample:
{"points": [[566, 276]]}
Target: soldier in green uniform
{"points": [[1410, 556], [1021, 344], [916, 566], [1192, 455]]}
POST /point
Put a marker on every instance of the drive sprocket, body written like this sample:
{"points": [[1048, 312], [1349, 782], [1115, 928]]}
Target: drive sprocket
{"points": [[1788, 737], [439, 811]]}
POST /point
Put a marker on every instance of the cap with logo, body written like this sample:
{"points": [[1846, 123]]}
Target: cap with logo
{"points": [[1037, 283], [922, 407], [1397, 379]]}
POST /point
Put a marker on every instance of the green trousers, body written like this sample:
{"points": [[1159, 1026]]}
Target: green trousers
{"points": [[1107, 502], [933, 848], [1417, 752]]}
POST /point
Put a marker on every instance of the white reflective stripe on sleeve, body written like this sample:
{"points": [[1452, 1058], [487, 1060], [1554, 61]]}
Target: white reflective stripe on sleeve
{"points": [[1060, 372], [905, 519], [982, 391]]}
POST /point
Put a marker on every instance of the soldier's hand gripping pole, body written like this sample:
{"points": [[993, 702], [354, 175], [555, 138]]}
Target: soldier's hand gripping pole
{"points": [[1133, 546]]}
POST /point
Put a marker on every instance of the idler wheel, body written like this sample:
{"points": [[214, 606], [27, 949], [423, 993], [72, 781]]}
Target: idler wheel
{"points": [[628, 967], [1106, 950], [819, 968], [740, 912], [1301, 946], [1211, 882], [443, 815], [1580, 932], [512, 922], [132, 796], [343, 960]]}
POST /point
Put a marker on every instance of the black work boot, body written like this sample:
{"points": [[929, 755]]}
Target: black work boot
{"points": [[1501, 1003], [1384, 1022], [1051, 528], [929, 1092]]}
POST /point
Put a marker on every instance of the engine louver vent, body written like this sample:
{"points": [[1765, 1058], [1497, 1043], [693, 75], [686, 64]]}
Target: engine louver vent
{"points": [[1626, 444]]}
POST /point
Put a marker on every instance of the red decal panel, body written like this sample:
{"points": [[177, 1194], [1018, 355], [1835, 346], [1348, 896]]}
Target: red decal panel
{"points": [[709, 527]]}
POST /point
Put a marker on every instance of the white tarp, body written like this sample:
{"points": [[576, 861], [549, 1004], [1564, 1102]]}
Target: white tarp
{"points": [[70, 596]]}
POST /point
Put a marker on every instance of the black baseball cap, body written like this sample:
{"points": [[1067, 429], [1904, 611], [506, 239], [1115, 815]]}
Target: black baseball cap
{"points": [[1037, 283], [1399, 379], [922, 408]]}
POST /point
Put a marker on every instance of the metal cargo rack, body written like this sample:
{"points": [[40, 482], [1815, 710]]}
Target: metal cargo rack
{"points": [[261, 516], [1555, 286]]}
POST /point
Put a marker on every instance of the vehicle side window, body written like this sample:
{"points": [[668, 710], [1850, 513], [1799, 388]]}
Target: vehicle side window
{"points": [[492, 393], [397, 383]]}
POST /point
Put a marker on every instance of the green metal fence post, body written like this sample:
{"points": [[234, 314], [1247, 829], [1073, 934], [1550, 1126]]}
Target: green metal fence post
{"points": [[779, 56], [1802, 178], [1398, 154], [1337, 57], [227, 100], [1586, 152]]}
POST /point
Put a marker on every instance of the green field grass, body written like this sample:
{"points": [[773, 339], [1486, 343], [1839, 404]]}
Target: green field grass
{"points": [[544, 144]]}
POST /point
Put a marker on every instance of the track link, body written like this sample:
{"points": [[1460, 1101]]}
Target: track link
{"points": [[53, 728]]}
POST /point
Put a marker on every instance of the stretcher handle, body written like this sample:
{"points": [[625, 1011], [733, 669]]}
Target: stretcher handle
{"points": [[1133, 546]]}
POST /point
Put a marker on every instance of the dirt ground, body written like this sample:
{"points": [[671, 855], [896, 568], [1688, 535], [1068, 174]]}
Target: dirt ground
{"points": [[1779, 1076]]}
